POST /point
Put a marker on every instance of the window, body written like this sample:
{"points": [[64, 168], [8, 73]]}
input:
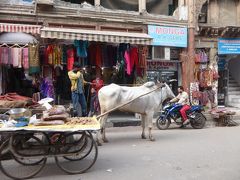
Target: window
{"points": [[128, 5], [80, 1], [158, 52], [161, 7]]}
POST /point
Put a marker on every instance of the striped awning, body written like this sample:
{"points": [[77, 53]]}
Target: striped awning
{"points": [[31, 29], [98, 36]]}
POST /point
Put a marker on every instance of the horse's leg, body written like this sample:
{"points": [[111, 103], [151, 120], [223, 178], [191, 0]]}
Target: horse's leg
{"points": [[143, 120], [150, 125]]}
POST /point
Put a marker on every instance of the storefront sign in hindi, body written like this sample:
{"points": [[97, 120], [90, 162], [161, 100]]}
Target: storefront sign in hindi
{"points": [[168, 36], [161, 65], [228, 45]]}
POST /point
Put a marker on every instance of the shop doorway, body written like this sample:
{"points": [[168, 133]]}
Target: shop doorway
{"points": [[229, 80]]}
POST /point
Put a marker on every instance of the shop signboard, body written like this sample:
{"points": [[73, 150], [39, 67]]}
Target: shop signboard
{"points": [[161, 65], [228, 45], [168, 36]]}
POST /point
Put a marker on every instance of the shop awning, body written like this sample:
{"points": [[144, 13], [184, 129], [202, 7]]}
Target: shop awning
{"points": [[94, 35], [32, 29]]}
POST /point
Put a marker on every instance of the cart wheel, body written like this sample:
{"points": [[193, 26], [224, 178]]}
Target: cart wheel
{"points": [[79, 162], [79, 145], [18, 167], [27, 146], [71, 142]]}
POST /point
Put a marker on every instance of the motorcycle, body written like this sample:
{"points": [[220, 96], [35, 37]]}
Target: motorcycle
{"points": [[172, 112]]}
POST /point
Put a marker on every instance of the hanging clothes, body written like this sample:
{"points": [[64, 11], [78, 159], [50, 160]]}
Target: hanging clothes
{"points": [[15, 57], [81, 47], [1, 78], [70, 58], [50, 54], [112, 55], [5, 54], [64, 54], [98, 55], [34, 63], [133, 58], [25, 58], [128, 61]]}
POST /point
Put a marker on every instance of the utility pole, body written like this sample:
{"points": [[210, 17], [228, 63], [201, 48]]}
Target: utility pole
{"points": [[188, 66]]}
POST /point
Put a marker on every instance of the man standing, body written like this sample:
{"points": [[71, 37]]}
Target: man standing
{"points": [[182, 98], [97, 84], [77, 88]]}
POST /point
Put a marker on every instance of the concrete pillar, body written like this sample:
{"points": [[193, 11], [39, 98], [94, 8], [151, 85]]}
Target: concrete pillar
{"points": [[238, 13], [97, 2], [214, 65], [213, 12], [141, 6]]}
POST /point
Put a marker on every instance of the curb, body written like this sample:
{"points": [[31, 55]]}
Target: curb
{"points": [[130, 121]]}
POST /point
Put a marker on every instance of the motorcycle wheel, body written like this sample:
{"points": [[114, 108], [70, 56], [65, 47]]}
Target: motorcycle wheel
{"points": [[163, 124], [199, 121]]}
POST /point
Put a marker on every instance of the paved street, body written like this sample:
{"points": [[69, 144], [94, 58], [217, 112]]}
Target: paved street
{"points": [[177, 154]]}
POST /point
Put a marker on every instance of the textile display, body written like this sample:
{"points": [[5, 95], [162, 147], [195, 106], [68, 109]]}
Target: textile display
{"points": [[34, 63]]}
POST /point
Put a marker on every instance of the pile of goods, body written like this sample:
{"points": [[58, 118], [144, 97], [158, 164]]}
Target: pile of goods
{"points": [[57, 115], [81, 121], [13, 100]]}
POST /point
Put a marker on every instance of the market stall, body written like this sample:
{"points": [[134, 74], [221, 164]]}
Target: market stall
{"points": [[27, 142]]}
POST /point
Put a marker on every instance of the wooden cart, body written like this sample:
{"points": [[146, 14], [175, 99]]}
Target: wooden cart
{"points": [[26, 150]]}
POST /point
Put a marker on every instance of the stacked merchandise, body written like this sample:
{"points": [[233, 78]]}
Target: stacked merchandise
{"points": [[205, 76], [57, 115]]}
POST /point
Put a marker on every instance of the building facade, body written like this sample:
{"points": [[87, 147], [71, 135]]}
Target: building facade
{"points": [[110, 22]]}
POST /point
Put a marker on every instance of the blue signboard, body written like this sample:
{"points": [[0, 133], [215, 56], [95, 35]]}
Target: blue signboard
{"points": [[228, 45], [168, 36]]}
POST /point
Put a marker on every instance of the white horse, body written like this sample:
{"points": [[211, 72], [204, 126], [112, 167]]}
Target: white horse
{"points": [[114, 95]]}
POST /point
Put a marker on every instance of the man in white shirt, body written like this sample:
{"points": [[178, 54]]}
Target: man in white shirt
{"points": [[183, 98]]}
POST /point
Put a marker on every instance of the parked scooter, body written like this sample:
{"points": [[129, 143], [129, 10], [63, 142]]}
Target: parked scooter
{"points": [[172, 112]]}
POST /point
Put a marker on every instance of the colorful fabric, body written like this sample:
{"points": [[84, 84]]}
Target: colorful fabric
{"points": [[50, 54], [128, 61], [25, 58], [15, 57], [81, 47], [5, 54], [70, 59], [34, 63], [47, 89], [134, 57], [64, 54]]}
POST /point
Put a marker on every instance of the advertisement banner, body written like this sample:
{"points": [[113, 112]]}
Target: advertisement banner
{"points": [[228, 45], [161, 65], [168, 36]]}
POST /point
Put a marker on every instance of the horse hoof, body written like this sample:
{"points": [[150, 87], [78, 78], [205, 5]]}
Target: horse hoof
{"points": [[144, 137]]}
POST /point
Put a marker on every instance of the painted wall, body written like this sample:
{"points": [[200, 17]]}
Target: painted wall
{"points": [[223, 12]]}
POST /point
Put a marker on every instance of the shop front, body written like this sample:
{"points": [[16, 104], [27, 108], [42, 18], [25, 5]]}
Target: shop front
{"points": [[228, 68], [163, 61], [115, 57], [18, 57]]}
